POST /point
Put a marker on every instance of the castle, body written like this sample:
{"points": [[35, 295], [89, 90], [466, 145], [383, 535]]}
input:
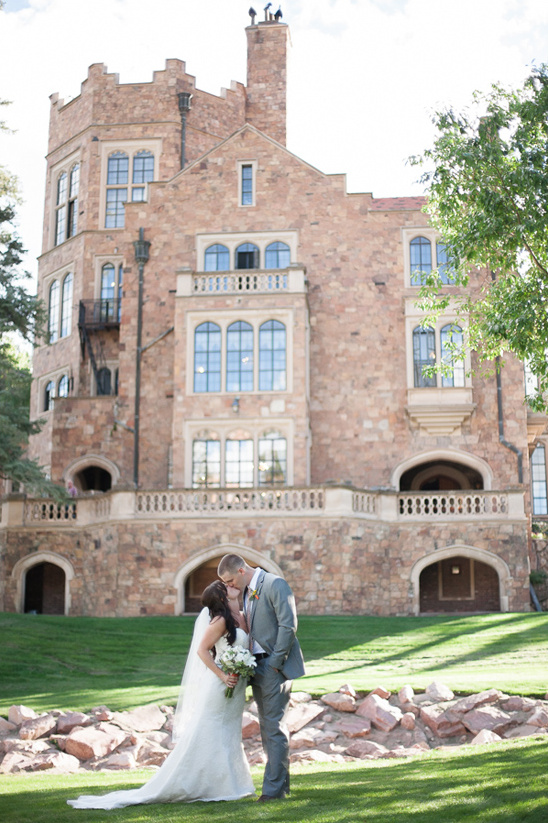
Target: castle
{"points": [[235, 363]]}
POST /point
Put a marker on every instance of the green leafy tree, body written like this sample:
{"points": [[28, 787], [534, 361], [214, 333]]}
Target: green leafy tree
{"points": [[487, 183], [21, 317]]}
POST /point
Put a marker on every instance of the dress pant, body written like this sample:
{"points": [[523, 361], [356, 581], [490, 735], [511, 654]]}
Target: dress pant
{"points": [[271, 692]]}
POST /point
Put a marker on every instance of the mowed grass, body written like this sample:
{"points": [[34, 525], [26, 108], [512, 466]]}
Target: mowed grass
{"points": [[501, 783], [81, 662]]}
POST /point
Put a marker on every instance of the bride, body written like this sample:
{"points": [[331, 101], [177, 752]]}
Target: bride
{"points": [[208, 761]]}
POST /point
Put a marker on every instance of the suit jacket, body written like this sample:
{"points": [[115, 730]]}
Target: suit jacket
{"points": [[274, 625]]}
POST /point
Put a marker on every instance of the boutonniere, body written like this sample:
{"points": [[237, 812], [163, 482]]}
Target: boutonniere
{"points": [[253, 595]]}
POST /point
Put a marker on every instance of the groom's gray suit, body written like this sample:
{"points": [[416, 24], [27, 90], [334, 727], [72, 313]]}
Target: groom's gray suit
{"points": [[273, 624]]}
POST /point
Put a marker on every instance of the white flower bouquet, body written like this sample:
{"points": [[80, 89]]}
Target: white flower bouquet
{"points": [[237, 660]]}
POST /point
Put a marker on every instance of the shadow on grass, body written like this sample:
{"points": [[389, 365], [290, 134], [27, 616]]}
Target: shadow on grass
{"points": [[497, 784]]}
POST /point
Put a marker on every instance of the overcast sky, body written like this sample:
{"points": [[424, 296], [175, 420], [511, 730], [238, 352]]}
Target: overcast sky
{"points": [[364, 75]]}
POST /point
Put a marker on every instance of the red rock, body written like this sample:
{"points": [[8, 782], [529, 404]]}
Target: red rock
{"points": [[348, 689], [17, 714], [250, 725], [119, 760], [439, 691], [59, 761], [94, 741], [539, 718], [362, 748], [442, 722], [518, 704], [151, 755], [40, 726], [487, 717], [408, 721], [340, 702], [521, 731], [406, 694], [69, 720], [15, 762], [382, 715], [381, 692], [485, 736], [142, 719], [299, 697], [6, 727], [301, 714], [316, 756], [353, 726], [473, 701]]}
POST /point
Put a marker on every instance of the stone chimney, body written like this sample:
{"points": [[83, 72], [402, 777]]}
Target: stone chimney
{"points": [[267, 78]]}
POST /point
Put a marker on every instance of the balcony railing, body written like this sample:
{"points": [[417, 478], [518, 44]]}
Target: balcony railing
{"points": [[232, 282], [100, 314], [328, 502]]}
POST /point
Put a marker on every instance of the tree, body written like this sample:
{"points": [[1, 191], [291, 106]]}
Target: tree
{"points": [[487, 185], [21, 316]]}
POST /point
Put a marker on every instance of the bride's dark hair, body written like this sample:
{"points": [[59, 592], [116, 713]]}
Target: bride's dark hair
{"points": [[215, 599]]}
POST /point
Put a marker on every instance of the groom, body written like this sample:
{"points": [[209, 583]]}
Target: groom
{"points": [[269, 608]]}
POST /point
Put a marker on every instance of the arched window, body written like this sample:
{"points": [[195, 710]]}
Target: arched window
{"points": [[451, 344], [272, 356], [206, 461], [117, 182], [247, 256], [538, 479], [239, 357], [104, 381], [420, 259], [49, 396], [143, 172], [63, 386], [53, 312], [272, 459], [66, 306], [424, 354], [207, 358], [239, 460], [61, 208], [277, 256], [217, 258]]}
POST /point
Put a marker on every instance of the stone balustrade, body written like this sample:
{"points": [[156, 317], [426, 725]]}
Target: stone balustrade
{"points": [[329, 502]]}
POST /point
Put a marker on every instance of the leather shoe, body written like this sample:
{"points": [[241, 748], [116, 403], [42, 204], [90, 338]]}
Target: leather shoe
{"points": [[266, 798]]}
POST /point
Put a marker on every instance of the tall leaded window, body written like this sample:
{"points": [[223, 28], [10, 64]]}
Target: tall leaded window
{"points": [[61, 208], [66, 306], [206, 461], [104, 381], [117, 183], [239, 460], [424, 354], [49, 395], [111, 291], [272, 463], [217, 258], [239, 357], [246, 186], [63, 386], [66, 204], [420, 252], [277, 256], [451, 344], [207, 358], [247, 256], [53, 312], [538, 477], [143, 173], [272, 356]]}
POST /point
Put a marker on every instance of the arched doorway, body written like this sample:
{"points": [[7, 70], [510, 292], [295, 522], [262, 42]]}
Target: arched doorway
{"points": [[198, 572], [45, 585], [440, 475], [93, 478], [459, 584]]}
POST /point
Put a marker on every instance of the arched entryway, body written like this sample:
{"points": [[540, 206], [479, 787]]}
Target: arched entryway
{"points": [[42, 582], [45, 589], [93, 478], [442, 470], [459, 584], [460, 579], [198, 572]]}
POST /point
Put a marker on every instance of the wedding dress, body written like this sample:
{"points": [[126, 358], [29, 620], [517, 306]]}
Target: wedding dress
{"points": [[208, 761]]}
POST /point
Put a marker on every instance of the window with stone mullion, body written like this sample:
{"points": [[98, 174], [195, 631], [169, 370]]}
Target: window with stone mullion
{"points": [[239, 357], [239, 463], [206, 464]]}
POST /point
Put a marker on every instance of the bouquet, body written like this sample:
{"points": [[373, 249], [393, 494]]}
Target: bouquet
{"points": [[237, 660]]}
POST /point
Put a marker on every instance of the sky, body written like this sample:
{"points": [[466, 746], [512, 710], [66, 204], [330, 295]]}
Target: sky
{"points": [[365, 76]]}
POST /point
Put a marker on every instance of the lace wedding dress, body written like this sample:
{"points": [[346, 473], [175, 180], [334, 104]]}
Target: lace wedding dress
{"points": [[208, 761]]}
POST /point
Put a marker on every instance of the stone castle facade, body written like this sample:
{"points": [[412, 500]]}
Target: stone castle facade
{"points": [[235, 363]]}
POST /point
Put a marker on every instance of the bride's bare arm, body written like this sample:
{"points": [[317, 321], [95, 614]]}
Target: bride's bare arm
{"points": [[213, 633]]}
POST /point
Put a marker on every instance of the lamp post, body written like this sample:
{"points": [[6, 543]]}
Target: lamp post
{"points": [[184, 98], [141, 250]]}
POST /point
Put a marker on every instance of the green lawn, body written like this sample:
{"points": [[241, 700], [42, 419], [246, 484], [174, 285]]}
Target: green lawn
{"points": [[77, 663], [502, 783]]}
